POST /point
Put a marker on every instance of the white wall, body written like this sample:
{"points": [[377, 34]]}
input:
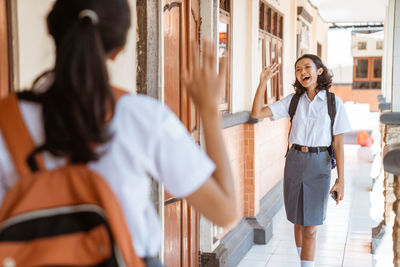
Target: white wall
{"points": [[242, 44], [123, 70], [245, 55], [321, 36], [396, 59], [289, 10], [342, 49], [371, 40], [340, 60], [245, 47], [36, 49], [388, 48]]}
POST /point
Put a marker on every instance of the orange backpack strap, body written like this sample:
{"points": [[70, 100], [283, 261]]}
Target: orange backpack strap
{"points": [[16, 135]]}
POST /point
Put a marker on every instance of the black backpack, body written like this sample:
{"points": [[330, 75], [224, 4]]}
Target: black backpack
{"points": [[331, 111]]}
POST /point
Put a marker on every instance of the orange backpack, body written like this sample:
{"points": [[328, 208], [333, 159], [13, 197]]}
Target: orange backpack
{"points": [[63, 217]]}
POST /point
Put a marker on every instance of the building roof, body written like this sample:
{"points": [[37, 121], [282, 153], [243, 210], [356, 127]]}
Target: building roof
{"points": [[351, 11]]}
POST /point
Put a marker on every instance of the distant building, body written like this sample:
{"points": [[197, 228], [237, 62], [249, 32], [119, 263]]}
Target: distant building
{"points": [[355, 58]]}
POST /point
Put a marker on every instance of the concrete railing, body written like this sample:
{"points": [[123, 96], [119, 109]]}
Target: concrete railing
{"points": [[390, 127]]}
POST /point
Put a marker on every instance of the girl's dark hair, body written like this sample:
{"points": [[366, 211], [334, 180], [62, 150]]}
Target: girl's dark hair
{"points": [[77, 103], [324, 81]]}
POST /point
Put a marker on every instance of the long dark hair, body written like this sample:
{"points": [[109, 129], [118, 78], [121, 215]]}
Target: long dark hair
{"points": [[324, 81], [76, 104]]}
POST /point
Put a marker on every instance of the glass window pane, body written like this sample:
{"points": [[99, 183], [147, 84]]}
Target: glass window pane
{"points": [[273, 57], [361, 85], [361, 68], [376, 85], [267, 53], [223, 47], [280, 55], [378, 68], [268, 63], [260, 54], [379, 45], [362, 45], [223, 37]]}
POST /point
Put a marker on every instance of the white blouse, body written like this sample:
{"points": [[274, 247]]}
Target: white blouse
{"points": [[311, 122], [148, 139]]}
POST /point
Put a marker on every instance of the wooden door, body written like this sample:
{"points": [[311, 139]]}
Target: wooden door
{"points": [[181, 25], [4, 54]]}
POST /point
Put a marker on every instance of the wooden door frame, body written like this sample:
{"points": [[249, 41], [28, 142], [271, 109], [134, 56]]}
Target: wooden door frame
{"points": [[188, 259], [227, 18], [188, 220], [5, 51], [280, 74], [267, 38], [355, 68], [372, 78]]}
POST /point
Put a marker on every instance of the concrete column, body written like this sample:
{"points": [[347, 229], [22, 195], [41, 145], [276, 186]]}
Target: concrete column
{"points": [[396, 58], [392, 194], [396, 226], [389, 138], [392, 136], [149, 72], [393, 191], [387, 62], [149, 48]]}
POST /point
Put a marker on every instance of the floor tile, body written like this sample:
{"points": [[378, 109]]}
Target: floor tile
{"points": [[329, 260], [252, 263]]}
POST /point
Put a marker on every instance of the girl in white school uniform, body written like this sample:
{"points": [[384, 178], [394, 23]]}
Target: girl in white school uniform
{"points": [[69, 115], [307, 172]]}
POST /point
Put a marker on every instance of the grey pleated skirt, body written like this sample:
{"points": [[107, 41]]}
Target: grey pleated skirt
{"points": [[306, 186]]}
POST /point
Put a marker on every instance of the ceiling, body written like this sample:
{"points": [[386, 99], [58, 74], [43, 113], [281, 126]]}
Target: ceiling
{"points": [[351, 11]]}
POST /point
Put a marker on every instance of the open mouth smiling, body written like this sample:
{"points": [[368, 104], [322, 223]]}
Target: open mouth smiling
{"points": [[306, 78]]}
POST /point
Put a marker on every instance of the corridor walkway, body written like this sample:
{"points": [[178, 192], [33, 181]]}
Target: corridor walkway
{"points": [[345, 238]]}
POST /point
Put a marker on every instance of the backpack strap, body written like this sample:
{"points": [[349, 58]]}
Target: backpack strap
{"points": [[16, 135], [292, 110], [293, 105], [331, 101]]}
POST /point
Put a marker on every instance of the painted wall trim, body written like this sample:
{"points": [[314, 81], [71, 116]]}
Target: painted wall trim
{"points": [[230, 120], [302, 12]]}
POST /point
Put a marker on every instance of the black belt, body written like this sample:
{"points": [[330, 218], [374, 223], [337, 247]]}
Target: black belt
{"points": [[310, 149]]}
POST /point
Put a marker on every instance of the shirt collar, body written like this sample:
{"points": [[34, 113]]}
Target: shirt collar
{"points": [[322, 94]]}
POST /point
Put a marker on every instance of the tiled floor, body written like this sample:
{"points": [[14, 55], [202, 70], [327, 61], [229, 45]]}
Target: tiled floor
{"points": [[345, 238]]}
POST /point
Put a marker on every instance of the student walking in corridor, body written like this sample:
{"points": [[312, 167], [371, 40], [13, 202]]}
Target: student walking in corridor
{"points": [[308, 163]]}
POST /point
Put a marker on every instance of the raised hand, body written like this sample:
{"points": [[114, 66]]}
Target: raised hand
{"points": [[203, 83], [216, 199], [268, 73]]}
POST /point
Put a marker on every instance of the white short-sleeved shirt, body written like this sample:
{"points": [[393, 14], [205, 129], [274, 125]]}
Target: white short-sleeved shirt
{"points": [[311, 124], [148, 139]]}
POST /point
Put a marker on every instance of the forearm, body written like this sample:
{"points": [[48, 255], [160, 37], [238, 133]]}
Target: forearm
{"points": [[258, 102], [216, 150], [339, 154]]}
